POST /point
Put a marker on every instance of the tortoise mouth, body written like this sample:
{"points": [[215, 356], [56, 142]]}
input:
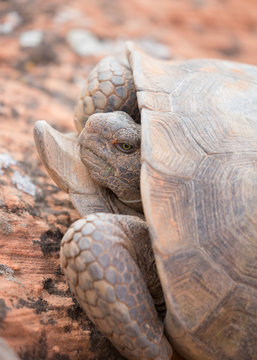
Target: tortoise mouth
{"points": [[101, 170], [96, 163], [93, 161]]}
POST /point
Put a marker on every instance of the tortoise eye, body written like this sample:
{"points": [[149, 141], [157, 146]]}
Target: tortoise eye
{"points": [[124, 147]]}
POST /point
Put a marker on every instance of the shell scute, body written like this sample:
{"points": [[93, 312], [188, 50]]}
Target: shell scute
{"points": [[199, 191], [197, 286], [231, 329], [226, 202]]}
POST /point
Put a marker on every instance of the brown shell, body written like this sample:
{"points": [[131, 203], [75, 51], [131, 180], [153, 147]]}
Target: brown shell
{"points": [[199, 189]]}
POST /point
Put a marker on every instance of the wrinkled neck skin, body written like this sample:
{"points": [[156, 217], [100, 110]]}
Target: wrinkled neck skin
{"points": [[114, 169], [119, 207]]}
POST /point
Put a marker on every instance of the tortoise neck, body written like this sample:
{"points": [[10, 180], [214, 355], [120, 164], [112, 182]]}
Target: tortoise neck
{"points": [[118, 206]]}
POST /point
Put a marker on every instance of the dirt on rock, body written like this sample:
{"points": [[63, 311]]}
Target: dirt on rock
{"points": [[47, 50]]}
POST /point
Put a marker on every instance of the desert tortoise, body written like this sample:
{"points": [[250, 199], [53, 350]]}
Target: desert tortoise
{"points": [[199, 193]]}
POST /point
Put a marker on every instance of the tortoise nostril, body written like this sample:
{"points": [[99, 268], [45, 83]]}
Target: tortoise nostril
{"points": [[90, 124]]}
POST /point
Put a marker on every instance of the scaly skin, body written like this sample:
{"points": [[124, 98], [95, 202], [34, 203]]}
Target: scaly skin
{"points": [[110, 87], [101, 265], [108, 165], [108, 259]]}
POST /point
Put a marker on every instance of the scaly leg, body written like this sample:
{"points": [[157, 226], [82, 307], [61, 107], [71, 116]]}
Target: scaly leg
{"points": [[100, 254], [110, 87]]}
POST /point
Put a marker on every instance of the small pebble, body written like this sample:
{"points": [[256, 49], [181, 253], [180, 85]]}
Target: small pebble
{"points": [[6, 160], [32, 38], [11, 21], [85, 43], [23, 183]]}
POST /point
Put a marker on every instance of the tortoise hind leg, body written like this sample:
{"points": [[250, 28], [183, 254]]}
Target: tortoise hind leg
{"points": [[100, 263]]}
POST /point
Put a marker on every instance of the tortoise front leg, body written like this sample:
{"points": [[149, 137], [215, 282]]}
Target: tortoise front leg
{"points": [[100, 264], [110, 87]]}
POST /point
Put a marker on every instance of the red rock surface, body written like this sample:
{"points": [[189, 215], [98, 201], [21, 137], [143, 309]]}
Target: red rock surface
{"points": [[38, 316]]}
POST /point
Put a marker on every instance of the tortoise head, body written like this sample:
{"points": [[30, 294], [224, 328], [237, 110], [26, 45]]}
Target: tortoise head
{"points": [[110, 149]]}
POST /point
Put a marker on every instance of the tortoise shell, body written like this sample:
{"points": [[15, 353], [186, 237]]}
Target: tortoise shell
{"points": [[199, 191]]}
